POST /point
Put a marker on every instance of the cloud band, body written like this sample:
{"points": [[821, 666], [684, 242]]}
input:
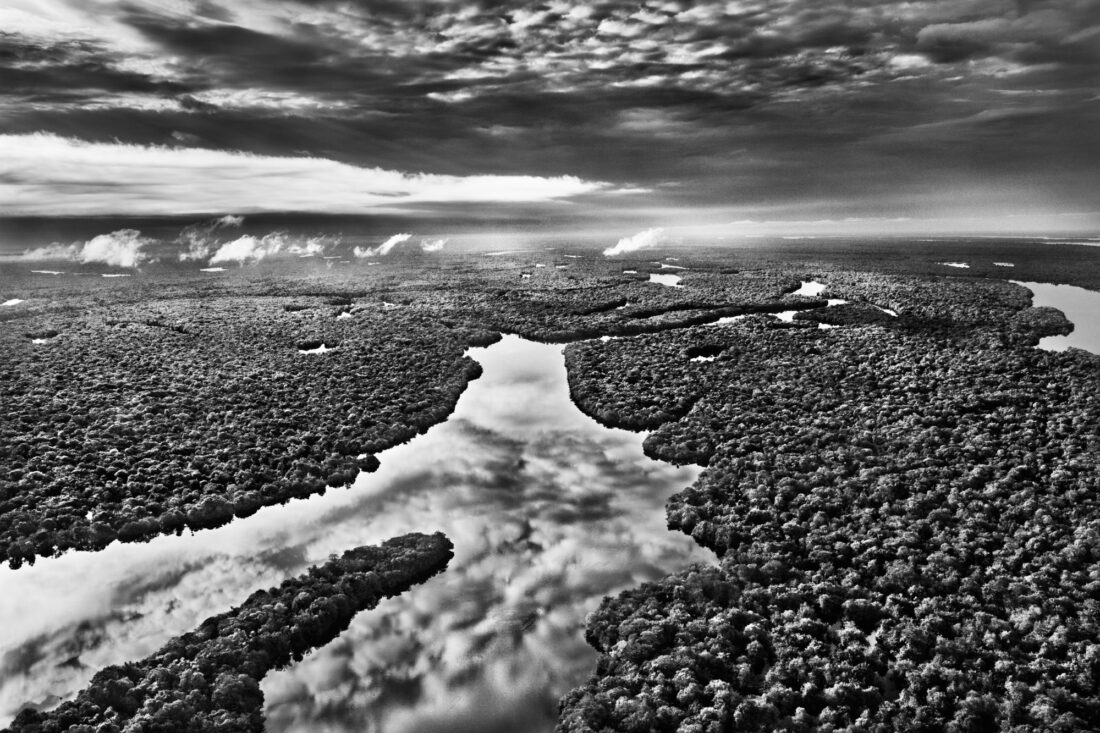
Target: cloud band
{"points": [[94, 178]]}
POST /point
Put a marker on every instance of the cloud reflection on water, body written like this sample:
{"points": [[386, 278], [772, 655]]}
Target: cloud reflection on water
{"points": [[548, 511]]}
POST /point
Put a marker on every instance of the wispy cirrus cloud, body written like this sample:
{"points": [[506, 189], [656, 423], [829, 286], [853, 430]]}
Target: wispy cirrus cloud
{"points": [[44, 174]]}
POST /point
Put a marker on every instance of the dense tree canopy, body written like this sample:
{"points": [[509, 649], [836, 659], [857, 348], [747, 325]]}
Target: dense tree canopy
{"points": [[906, 518]]}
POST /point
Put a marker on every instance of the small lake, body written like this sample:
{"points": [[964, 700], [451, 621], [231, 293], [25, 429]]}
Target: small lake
{"points": [[1080, 305], [548, 510], [671, 281]]}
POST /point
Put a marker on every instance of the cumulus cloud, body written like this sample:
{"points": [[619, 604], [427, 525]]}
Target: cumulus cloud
{"points": [[249, 249], [46, 174], [121, 248], [383, 249], [642, 240], [200, 238], [311, 246], [432, 245]]}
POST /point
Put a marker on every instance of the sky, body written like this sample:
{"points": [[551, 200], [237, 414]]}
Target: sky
{"points": [[734, 118]]}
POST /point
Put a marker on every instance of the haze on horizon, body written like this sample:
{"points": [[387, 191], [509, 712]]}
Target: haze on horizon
{"points": [[725, 118]]}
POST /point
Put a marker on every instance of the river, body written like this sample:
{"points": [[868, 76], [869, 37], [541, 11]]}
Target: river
{"points": [[548, 510]]}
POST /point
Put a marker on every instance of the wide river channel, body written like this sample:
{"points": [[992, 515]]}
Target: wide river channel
{"points": [[548, 510]]}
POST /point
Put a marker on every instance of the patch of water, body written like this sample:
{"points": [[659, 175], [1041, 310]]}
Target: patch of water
{"points": [[549, 512], [1080, 305], [810, 289], [728, 319], [671, 281]]}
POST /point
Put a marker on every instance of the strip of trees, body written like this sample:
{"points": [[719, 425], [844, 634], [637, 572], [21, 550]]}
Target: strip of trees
{"points": [[208, 679]]}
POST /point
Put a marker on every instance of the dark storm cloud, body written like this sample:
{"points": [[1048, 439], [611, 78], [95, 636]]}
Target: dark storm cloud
{"points": [[704, 101]]}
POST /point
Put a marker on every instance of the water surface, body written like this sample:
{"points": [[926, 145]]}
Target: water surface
{"points": [[672, 281], [548, 510], [1080, 305]]}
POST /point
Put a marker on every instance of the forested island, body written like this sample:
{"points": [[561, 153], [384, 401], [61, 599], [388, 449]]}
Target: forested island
{"points": [[208, 680], [900, 488]]}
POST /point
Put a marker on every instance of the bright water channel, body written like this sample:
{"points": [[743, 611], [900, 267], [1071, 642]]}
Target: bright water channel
{"points": [[548, 510]]}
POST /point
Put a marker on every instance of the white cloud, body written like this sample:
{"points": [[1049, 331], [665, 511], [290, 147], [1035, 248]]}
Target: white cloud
{"points": [[122, 248], [201, 241], [458, 95], [199, 238], [248, 248], [642, 240], [383, 249], [45, 174], [432, 245], [311, 247], [283, 101], [52, 252]]}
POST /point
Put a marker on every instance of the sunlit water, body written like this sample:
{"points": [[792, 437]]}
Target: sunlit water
{"points": [[1080, 305], [548, 510], [322, 349], [671, 281], [810, 288]]}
